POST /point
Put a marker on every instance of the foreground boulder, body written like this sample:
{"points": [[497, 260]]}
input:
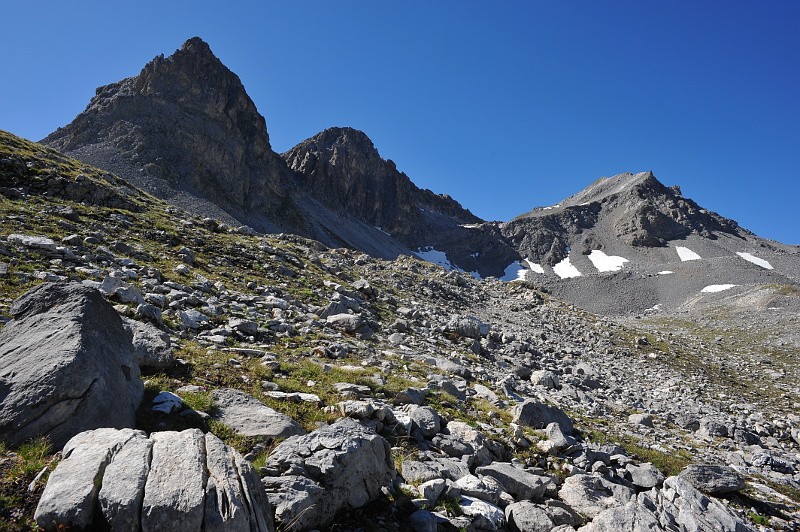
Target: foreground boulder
{"points": [[312, 477], [66, 366], [173, 480]]}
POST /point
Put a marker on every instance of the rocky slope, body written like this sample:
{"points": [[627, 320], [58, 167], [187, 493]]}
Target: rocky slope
{"points": [[501, 407]]}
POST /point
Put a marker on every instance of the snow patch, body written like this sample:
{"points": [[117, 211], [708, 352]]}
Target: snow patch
{"points": [[686, 254], [475, 255], [514, 272], [666, 272], [517, 271], [717, 288], [565, 269], [476, 275], [606, 263], [755, 260], [429, 254], [381, 230]]}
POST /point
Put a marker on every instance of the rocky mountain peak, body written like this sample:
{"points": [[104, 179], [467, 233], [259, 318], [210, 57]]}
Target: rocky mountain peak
{"points": [[187, 122], [343, 169]]}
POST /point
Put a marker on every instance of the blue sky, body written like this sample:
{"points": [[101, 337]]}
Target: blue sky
{"points": [[503, 105]]}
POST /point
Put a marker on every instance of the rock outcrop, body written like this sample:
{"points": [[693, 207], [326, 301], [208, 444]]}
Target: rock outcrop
{"points": [[173, 480], [66, 366], [310, 478]]}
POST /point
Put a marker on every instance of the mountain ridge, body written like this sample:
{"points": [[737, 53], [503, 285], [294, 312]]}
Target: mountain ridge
{"points": [[185, 130]]}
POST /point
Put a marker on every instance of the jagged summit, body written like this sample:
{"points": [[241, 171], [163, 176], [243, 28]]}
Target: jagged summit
{"points": [[184, 124], [344, 170]]}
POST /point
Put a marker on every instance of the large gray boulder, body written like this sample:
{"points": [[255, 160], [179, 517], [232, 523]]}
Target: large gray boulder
{"points": [[310, 478], [526, 516], [522, 484], [535, 414], [66, 366], [120, 479], [250, 417], [591, 494], [713, 479]]}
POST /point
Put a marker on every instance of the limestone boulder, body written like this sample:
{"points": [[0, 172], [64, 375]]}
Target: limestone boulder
{"points": [[343, 465], [66, 365], [123, 480]]}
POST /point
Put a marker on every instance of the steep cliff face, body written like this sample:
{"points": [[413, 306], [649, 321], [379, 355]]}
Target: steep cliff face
{"points": [[187, 120], [342, 168]]}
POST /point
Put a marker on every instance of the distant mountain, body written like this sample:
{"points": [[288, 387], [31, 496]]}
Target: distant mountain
{"points": [[185, 130], [628, 243]]}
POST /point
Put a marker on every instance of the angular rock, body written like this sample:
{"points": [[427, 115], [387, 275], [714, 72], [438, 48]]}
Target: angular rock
{"points": [[678, 506], [476, 487], [346, 322], [518, 482], [468, 326], [424, 521], [419, 472], [347, 460], [472, 507], [526, 516], [426, 420], [545, 378], [120, 479], [645, 475], [151, 345], [645, 420], [250, 417], [122, 491], [590, 495], [66, 365], [532, 413], [234, 498], [713, 479]]}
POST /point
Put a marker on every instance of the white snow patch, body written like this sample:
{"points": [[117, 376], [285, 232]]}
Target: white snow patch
{"points": [[534, 267], [717, 288], [686, 254], [666, 272], [606, 263], [565, 269], [381, 230], [470, 226], [755, 260], [475, 255], [429, 254], [514, 272]]}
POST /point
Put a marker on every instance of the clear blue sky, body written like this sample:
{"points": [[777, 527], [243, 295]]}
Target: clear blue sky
{"points": [[503, 105]]}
